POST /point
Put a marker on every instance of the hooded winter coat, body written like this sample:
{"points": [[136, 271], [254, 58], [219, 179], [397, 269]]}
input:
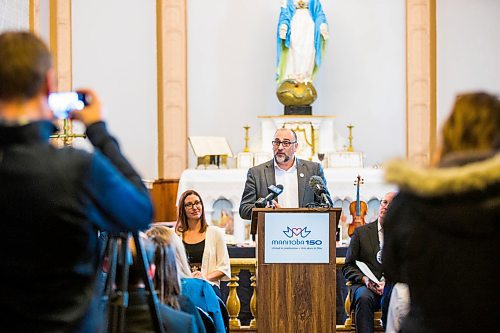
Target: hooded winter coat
{"points": [[442, 238]]}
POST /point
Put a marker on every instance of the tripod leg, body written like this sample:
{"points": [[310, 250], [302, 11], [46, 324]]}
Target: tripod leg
{"points": [[111, 253], [109, 291], [118, 297], [102, 289], [153, 298], [123, 303]]}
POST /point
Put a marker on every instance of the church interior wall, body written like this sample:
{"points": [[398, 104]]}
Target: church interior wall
{"points": [[231, 65], [468, 49], [14, 15], [231, 59], [44, 14], [114, 52]]}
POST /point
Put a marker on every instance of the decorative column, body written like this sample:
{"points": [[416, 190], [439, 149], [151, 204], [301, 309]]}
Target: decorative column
{"points": [[60, 47], [421, 80], [172, 88], [34, 19], [60, 42]]}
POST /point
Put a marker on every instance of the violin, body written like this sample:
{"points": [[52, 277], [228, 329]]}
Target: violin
{"points": [[358, 209]]}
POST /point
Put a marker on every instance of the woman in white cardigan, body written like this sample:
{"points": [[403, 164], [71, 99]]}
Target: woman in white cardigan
{"points": [[205, 245]]}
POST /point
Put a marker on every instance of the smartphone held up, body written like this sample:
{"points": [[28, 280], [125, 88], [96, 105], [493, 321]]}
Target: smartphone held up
{"points": [[61, 103]]}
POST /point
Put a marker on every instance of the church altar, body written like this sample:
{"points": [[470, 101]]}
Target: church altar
{"points": [[315, 134], [221, 189], [228, 184]]}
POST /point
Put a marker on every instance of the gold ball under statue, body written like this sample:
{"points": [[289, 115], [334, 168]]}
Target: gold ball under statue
{"points": [[294, 93]]}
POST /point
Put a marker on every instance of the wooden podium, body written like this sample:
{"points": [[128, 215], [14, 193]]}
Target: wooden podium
{"points": [[296, 279]]}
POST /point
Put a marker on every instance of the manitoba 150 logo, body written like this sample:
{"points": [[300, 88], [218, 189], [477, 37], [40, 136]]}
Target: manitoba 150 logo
{"points": [[297, 233]]}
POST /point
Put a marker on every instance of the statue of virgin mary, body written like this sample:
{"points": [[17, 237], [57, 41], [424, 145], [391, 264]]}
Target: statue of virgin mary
{"points": [[302, 32]]}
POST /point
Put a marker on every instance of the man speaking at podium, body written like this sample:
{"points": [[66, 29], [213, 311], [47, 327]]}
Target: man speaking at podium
{"points": [[285, 169]]}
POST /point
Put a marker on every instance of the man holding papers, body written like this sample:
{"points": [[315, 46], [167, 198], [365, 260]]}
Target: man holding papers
{"points": [[367, 277]]}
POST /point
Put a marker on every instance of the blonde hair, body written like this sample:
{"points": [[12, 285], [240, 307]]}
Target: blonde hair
{"points": [[167, 237], [473, 125]]}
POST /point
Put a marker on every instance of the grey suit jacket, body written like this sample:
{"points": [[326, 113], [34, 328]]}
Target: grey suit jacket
{"points": [[260, 177]]}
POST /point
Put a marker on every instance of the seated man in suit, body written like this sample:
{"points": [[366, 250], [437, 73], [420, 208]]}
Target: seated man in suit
{"points": [[366, 246], [285, 169]]}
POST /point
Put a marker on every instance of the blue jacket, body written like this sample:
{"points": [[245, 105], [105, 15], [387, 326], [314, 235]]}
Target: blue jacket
{"points": [[202, 294], [52, 203]]}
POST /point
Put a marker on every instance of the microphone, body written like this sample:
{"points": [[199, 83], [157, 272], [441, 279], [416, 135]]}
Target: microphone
{"points": [[274, 191], [318, 186]]}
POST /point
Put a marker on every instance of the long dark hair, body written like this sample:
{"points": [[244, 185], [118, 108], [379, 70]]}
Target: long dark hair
{"points": [[182, 220]]}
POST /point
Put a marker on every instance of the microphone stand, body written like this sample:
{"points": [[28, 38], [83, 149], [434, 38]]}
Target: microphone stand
{"points": [[326, 199]]}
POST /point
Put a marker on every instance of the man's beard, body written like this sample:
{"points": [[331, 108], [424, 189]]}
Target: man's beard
{"points": [[281, 159]]}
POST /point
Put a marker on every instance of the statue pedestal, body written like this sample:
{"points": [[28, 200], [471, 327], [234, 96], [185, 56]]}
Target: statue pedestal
{"points": [[298, 110], [315, 134]]}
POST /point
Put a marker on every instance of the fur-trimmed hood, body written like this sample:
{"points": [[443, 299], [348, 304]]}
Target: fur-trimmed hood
{"points": [[454, 180], [455, 199], [441, 232]]}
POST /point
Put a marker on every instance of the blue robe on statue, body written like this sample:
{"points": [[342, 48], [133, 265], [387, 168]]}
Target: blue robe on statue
{"points": [[286, 15]]}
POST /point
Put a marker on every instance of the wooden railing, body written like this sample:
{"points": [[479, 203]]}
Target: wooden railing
{"points": [[233, 301]]}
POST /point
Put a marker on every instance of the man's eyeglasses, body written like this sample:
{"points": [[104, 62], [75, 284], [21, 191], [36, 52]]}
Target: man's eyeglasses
{"points": [[384, 203], [192, 204], [285, 144]]}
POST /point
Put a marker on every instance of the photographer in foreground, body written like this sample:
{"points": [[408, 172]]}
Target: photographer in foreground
{"points": [[53, 201]]}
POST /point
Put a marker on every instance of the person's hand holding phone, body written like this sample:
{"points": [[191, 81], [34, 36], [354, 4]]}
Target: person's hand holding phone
{"points": [[91, 113]]}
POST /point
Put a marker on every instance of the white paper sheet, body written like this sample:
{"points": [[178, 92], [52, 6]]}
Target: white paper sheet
{"points": [[367, 271]]}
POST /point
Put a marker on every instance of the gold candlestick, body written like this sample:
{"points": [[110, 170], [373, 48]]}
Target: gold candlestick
{"points": [[246, 149], [350, 148], [67, 134]]}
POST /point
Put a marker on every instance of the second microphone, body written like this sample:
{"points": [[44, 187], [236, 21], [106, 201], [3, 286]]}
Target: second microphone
{"points": [[274, 191]]}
